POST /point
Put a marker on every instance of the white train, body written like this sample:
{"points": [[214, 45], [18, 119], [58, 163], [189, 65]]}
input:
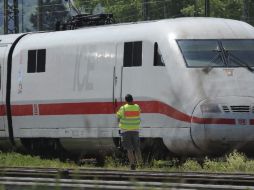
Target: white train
{"points": [[192, 77]]}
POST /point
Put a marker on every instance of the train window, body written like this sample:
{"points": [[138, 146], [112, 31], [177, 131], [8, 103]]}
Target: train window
{"points": [[239, 53], [201, 53], [31, 66], [158, 59], [41, 60], [36, 61], [127, 61], [132, 54]]}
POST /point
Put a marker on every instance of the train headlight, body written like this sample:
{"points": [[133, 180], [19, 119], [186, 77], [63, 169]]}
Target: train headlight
{"points": [[210, 108]]}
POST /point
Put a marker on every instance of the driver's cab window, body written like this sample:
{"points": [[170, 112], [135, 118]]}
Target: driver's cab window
{"points": [[158, 59]]}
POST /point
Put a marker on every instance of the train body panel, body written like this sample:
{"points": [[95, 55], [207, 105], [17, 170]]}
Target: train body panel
{"points": [[5, 45], [66, 86], [3, 51]]}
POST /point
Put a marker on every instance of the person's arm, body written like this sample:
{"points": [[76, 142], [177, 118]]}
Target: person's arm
{"points": [[119, 114]]}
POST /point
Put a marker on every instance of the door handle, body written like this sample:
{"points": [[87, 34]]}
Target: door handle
{"points": [[115, 80]]}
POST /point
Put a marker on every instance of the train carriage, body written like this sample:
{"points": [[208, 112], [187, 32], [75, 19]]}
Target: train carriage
{"points": [[191, 76]]}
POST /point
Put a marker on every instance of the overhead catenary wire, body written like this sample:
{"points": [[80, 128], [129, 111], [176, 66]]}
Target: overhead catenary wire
{"points": [[138, 12], [124, 4], [114, 6], [117, 5], [134, 15]]}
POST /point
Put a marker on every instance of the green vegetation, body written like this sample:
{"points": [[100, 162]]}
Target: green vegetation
{"points": [[43, 14], [137, 10], [219, 8], [19, 160], [47, 14], [233, 162]]}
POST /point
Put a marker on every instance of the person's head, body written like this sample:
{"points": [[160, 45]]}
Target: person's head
{"points": [[129, 98]]}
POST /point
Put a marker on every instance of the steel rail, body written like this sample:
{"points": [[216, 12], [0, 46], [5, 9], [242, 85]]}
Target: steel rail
{"points": [[121, 179], [67, 184]]}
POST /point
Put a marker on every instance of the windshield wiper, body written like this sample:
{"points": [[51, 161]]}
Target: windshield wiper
{"points": [[237, 60], [214, 59]]}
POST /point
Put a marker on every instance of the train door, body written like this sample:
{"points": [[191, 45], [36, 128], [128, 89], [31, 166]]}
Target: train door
{"points": [[118, 77], [128, 58], [117, 89], [3, 49]]}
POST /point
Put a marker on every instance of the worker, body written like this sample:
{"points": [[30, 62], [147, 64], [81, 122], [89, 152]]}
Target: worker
{"points": [[129, 123]]}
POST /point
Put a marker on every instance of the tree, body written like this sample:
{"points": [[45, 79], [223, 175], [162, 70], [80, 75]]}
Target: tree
{"points": [[251, 12], [123, 11], [218, 8], [133, 10], [50, 12], [1, 19]]}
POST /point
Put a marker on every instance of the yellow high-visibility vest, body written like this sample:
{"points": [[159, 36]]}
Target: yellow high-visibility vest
{"points": [[129, 115]]}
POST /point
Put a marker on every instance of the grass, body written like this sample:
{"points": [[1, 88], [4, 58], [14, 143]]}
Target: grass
{"points": [[18, 160], [233, 162]]}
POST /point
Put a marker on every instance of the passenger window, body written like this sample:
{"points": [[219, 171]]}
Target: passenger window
{"points": [[41, 60], [31, 66], [132, 54], [36, 61], [158, 59]]}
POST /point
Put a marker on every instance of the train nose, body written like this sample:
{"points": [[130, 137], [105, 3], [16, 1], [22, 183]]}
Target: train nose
{"points": [[223, 124]]}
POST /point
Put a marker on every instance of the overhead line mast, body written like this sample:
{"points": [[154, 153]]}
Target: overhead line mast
{"points": [[207, 8], [11, 17], [145, 10], [245, 13], [39, 16]]}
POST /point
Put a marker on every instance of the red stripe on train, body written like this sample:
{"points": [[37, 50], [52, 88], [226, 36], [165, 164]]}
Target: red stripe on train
{"points": [[107, 108], [2, 110], [213, 121], [22, 110], [76, 108], [251, 121]]}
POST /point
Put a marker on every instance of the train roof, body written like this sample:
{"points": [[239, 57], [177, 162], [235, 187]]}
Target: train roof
{"points": [[208, 28], [8, 39], [178, 28]]}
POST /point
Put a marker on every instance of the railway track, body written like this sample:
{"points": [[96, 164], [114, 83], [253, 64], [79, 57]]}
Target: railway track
{"points": [[71, 179]]}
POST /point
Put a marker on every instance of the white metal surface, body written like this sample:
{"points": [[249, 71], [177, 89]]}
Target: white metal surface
{"points": [[85, 66]]}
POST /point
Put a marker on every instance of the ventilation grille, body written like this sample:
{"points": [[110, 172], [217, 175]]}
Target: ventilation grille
{"points": [[225, 109], [245, 109]]}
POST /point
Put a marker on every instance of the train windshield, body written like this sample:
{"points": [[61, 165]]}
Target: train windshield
{"points": [[239, 52], [201, 53], [218, 53]]}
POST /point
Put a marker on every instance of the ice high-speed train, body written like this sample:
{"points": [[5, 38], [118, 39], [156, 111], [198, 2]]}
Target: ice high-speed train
{"points": [[192, 78]]}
